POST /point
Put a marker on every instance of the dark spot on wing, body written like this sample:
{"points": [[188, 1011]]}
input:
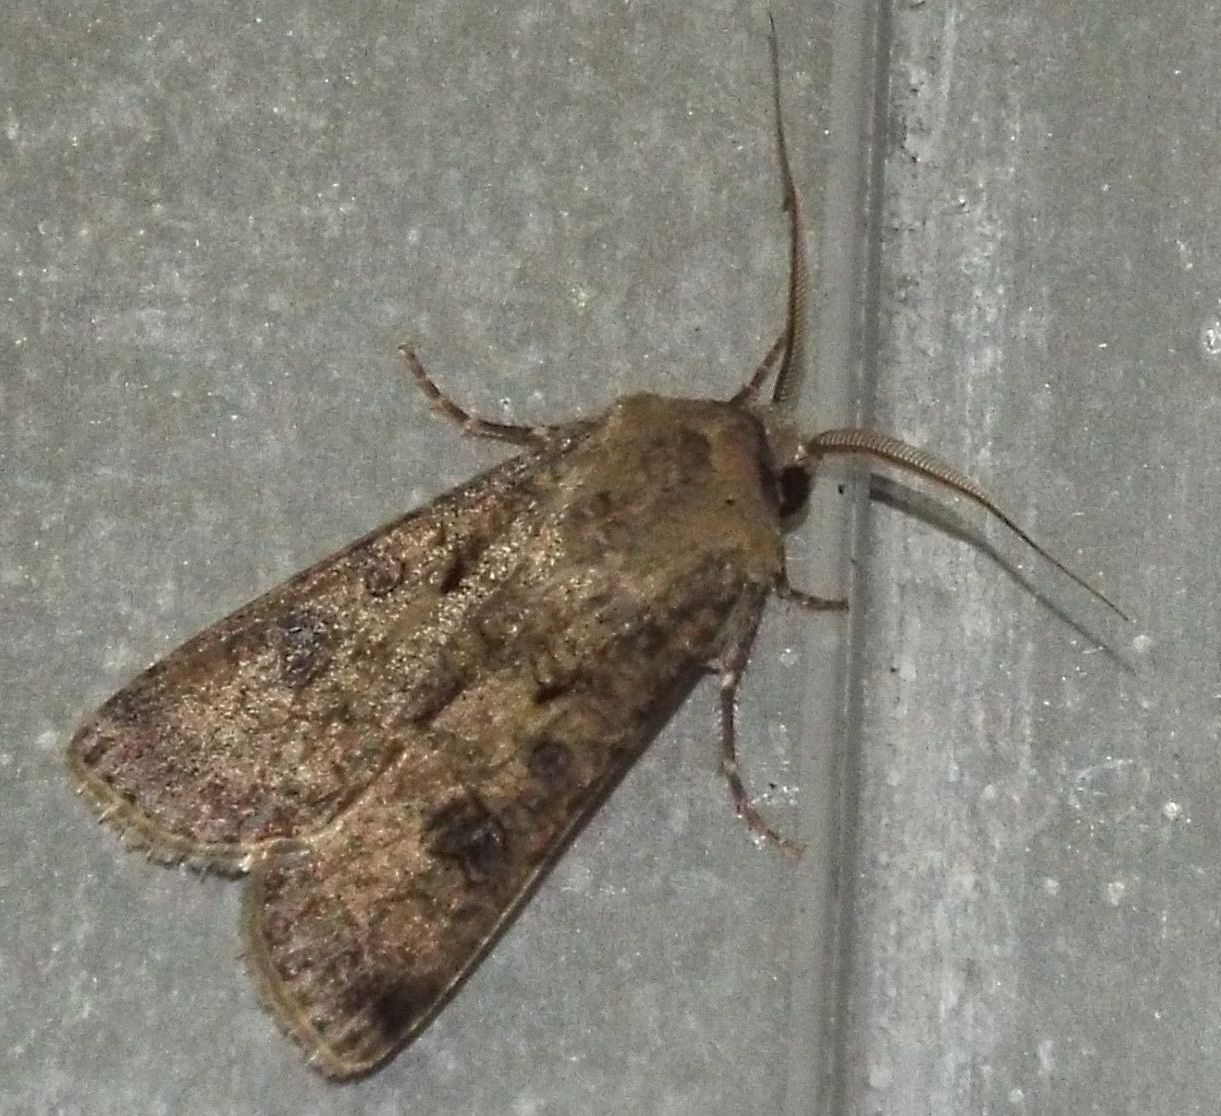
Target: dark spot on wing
{"points": [[390, 1004], [303, 640], [429, 695], [467, 832], [550, 761], [554, 775], [648, 637], [588, 509], [383, 574], [453, 574], [549, 689], [552, 678], [392, 1008]]}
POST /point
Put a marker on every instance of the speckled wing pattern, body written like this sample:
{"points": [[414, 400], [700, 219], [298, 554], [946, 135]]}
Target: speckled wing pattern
{"points": [[266, 726], [396, 743]]}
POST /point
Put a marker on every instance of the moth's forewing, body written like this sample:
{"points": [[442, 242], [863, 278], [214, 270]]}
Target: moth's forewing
{"points": [[656, 533], [266, 726], [403, 738]]}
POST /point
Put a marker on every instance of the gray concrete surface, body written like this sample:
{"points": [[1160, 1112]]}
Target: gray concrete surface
{"points": [[218, 222]]}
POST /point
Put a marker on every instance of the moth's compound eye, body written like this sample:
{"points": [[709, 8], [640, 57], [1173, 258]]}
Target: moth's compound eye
{"points": [[792, 490]]}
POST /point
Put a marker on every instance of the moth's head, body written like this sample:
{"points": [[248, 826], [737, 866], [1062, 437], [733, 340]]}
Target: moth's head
{"points": [[790, 466]]}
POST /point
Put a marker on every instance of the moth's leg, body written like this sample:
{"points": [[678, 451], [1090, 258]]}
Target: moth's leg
{"points": [[740, 637], [807, 600], [471, 424], [749, 390]]}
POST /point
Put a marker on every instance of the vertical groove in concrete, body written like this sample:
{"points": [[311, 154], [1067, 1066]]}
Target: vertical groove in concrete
{"points": [[842, 328], [872, 103]]}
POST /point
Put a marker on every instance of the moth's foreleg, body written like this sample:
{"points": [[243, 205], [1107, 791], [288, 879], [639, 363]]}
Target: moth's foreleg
{"points": [[471, 424]]}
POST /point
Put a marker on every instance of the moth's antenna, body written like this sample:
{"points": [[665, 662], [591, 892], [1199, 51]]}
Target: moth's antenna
{"points": [[792, 364], [882, 447]]}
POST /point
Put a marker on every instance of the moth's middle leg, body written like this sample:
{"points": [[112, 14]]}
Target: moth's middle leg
{"points": [[808, 600]]}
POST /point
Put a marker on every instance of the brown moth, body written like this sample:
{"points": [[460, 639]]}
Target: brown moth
{"points": [[396, 744]]}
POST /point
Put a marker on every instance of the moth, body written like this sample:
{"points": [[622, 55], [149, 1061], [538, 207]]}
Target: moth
{"points": [[396, 744]]}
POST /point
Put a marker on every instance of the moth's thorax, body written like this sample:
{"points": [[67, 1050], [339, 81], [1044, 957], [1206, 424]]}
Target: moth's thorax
{"points": [[681, 477]]}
